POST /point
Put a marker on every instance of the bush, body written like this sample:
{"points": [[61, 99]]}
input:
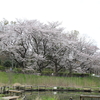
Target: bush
{"points": [[80, 74], [0, 62], [2, 68], [28, 71], [17, 70], [7, 64], [47, 71]]}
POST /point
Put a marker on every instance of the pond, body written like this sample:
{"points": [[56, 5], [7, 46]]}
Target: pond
{"points": [[47, 95]]}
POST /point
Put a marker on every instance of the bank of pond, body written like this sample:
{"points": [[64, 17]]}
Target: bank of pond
{"points": [[30, 92], [53, 95], [24, 88]]}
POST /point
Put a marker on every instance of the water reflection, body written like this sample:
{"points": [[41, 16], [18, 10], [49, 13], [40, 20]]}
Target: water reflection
{"points": [[54, 92], [58, 95]]}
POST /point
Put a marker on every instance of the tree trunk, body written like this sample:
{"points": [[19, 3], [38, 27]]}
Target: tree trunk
{"points": [[70, 71], [55, 70]]}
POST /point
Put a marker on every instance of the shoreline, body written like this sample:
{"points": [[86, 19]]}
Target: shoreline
{"points": [[7, 89]]}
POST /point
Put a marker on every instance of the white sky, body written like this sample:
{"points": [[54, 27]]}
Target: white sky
{"points": [[81, 15]]}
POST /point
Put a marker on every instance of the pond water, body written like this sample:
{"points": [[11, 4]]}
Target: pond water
{"points": [[58, 95]]}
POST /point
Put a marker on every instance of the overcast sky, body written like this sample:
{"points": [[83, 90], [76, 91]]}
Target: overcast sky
{"points": [[81, 15]]}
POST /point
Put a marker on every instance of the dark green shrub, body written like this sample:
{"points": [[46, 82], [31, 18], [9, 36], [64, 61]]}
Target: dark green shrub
{"points": [[47, 71], [2, 68], [17, 70], [62, 74], [80, 74], [28, 71], [7, 64], [0, 62]]}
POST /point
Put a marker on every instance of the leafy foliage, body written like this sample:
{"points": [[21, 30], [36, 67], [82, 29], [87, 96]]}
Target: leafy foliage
{"points": [[17, 70], [2, 68], [7, 64]]}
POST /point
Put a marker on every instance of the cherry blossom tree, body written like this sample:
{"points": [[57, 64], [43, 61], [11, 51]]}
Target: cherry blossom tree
{"points": [[37, 45]]}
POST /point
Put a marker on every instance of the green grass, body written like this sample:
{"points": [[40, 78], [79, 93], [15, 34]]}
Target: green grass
{"points": [[25, 79]]}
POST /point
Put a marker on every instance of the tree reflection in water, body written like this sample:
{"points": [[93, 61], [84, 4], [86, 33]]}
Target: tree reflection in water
{"points": [[58, 95]]}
